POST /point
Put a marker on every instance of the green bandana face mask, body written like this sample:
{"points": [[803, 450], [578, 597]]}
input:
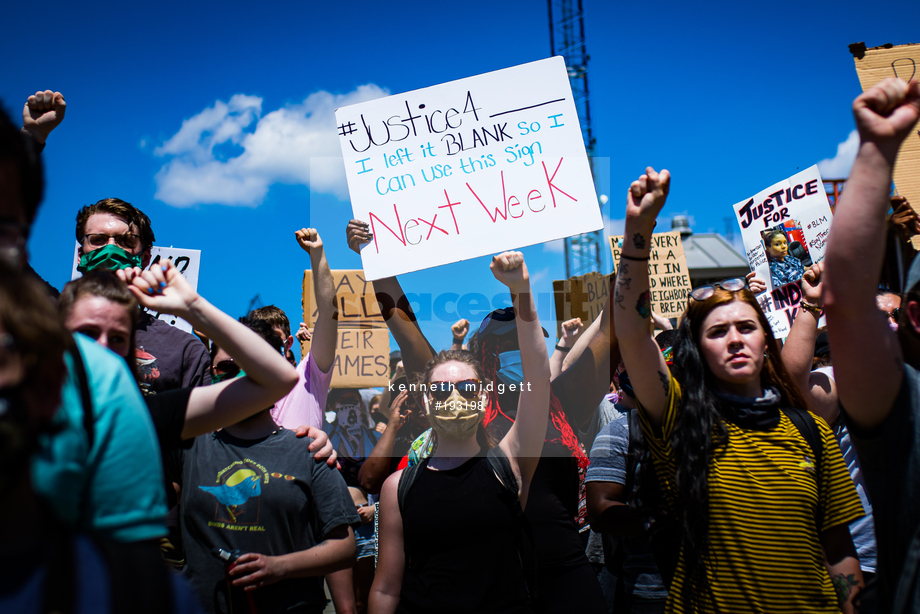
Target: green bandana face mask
{"points": [[110, 258], [219, 377]]}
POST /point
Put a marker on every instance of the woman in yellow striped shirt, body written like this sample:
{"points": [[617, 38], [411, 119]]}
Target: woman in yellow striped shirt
{"points": [[762, 521]]}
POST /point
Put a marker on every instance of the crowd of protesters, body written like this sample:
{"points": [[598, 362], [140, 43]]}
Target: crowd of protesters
{"points": [[647, 465]]}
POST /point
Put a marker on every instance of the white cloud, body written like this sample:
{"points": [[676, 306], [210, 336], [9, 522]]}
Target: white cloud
{"points": [[296, 144], [839, 166]]}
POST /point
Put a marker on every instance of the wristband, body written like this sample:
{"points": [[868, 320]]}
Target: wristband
{"points": [[562, 349], [625, 257], [815, 310]]}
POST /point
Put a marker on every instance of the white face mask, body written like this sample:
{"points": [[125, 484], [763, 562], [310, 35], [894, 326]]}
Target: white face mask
{"points": [[456, 418]]}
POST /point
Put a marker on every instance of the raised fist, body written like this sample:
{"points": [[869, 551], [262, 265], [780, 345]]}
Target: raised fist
{"points": [[309, 239], [42, 113], [509, 268], [647, 194], [886, 113], [459, 329]]}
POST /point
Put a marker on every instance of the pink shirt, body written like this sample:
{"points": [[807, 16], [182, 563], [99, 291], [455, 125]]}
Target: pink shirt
{"points": [[305, 404]]}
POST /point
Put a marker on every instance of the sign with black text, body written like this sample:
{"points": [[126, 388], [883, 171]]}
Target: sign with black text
{"points": [[668, 274], [468, 168], [784, 229]]}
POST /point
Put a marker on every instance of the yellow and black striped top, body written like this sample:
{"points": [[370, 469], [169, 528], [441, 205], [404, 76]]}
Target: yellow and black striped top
{"points": [[764, 553]]}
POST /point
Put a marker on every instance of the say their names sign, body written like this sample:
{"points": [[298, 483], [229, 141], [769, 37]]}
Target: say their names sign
{"points": [[582, 297], [798, 208], [875, 65], [468, 168], [668, 275], [355, 299], [362, 354], [362, 357]]}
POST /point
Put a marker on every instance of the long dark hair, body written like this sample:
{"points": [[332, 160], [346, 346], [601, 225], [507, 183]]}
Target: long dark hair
{"points": [[485, 441], [487, 349], [700, 432]]}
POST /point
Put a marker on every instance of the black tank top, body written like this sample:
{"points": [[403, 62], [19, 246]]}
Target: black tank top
{"points": [[462, 544]]}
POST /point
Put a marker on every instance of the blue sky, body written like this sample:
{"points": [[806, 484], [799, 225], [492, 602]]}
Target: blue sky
{"points": [[730, 97]]}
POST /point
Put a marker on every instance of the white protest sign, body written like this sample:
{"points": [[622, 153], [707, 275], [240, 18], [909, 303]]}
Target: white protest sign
{"points": [[784, 229], [468, 168], [187, 261]]}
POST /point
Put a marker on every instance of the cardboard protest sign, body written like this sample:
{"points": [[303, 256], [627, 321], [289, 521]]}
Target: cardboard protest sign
{"points": [[582, 297], [668, 274], [468, 168], [187, 261], [354, 297], [362, 358], [784, 229], [902, 61]]}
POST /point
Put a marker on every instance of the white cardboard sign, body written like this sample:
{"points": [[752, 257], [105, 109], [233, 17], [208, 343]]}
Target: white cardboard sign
{"points": [[468, 168], [797, 208], [188, 261]]}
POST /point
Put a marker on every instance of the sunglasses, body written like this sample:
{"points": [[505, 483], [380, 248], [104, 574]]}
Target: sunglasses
{"points": [[893, 314], [441, 391], [732, 285], [126, 240], [228, 367]]}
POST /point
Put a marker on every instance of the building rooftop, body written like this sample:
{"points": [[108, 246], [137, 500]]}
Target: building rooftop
{"points": [[709, 255]]}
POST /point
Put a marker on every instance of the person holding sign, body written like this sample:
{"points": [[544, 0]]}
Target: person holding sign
{"points": [[566, 579], [742, 471], [784, 267], [440, 517], [876, 369]]}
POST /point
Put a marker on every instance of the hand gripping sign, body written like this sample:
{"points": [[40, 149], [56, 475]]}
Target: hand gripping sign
{"points": [[468, 168], [784, 229]]}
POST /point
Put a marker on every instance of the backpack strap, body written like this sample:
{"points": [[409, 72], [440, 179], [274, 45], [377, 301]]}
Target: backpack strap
{"points": [[407, 479], [634, 429], [85, 397], [89, 424], [804, 421], [501, 467], [906, 581]]}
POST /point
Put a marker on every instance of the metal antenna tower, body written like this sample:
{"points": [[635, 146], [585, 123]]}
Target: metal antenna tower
{"points": [[567, 38]]}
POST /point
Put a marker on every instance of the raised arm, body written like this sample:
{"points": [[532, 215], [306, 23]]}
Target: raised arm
{"points": [[584, 382], [800, 348], [571, 332], [269, 376], [647, 369], [458, 331], [42, 113], [416, 351], [867, 358], [376, 467], [581, 344], [524, 441], [325, 333], [384, 596]]}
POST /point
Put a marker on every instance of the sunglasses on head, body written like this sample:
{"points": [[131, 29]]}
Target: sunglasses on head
{"points": [[732, 285], [893, 314], [230, 368], [441, 391]]}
